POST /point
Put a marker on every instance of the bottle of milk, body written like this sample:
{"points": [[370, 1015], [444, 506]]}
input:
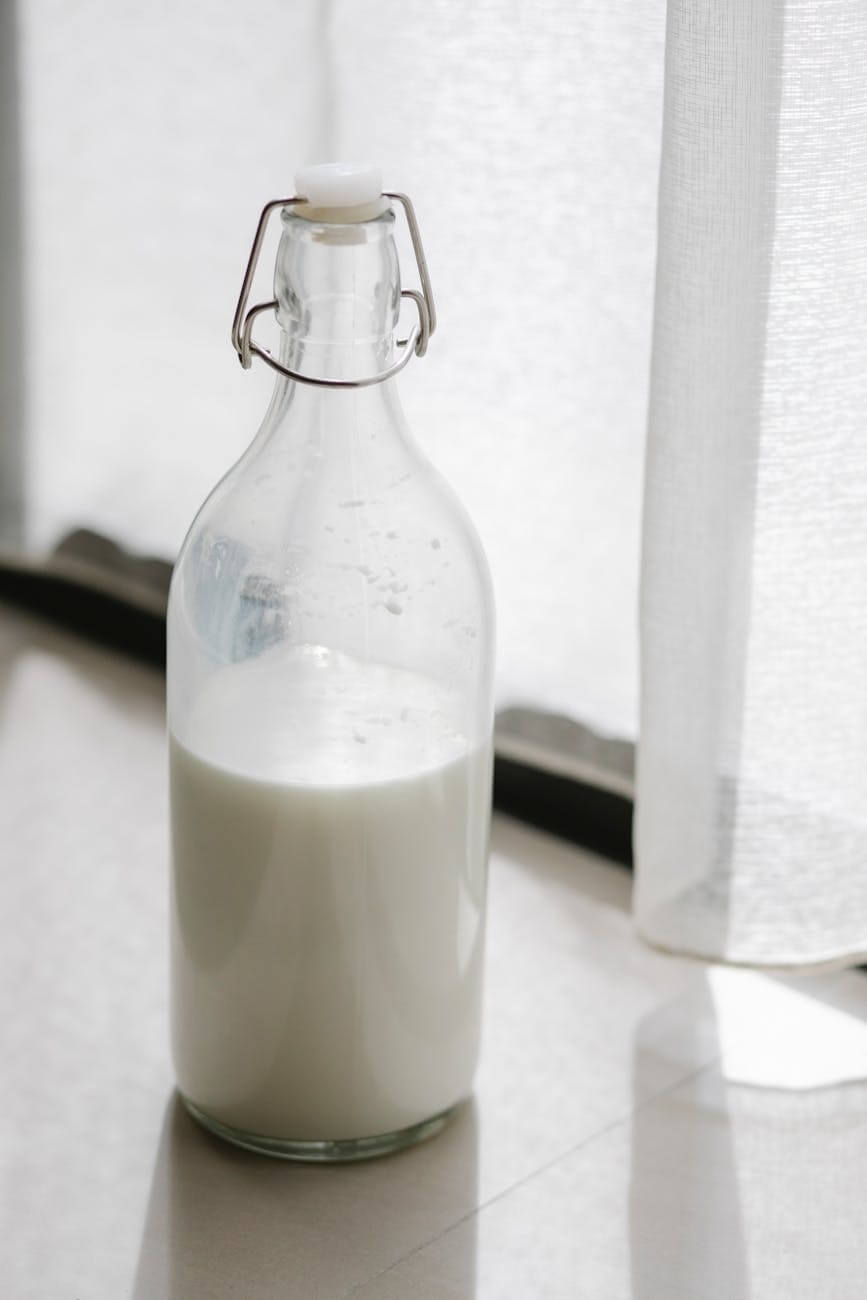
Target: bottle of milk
{"points": [[330, 651]]}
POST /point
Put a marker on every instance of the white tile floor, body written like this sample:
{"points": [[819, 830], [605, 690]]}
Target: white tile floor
{"points": [[642, 1127]]}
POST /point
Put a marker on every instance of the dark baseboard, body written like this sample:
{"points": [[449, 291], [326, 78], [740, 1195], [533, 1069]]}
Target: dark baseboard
{"points": [[96, 615], [574, 810]]}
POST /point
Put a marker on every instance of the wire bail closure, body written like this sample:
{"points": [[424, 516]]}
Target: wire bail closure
{"points": [[415, 343]]}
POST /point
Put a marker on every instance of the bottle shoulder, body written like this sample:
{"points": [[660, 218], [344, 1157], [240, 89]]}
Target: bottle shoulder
{"points": [[304, 506], [378, 559]]}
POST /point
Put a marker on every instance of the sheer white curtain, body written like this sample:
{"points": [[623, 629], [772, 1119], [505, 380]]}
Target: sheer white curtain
{"points": [[752, 783]]}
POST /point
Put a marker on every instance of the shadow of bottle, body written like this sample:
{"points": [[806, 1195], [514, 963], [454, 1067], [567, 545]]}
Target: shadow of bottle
{"points": [[225, 1222]]}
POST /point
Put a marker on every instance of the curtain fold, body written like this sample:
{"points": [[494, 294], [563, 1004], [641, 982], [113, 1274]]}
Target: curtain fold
{"points": [[751, 820]]}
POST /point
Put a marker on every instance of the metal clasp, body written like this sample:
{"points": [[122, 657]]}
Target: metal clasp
{"points": [[416, 341]]}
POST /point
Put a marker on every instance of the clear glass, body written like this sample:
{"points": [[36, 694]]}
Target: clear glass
{"points": [[330, 660]]}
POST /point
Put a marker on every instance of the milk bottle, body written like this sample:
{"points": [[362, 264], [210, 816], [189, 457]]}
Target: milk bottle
{"points": [[330, 650]]}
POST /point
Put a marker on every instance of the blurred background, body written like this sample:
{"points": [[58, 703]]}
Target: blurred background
{"points": [[139, 142]]}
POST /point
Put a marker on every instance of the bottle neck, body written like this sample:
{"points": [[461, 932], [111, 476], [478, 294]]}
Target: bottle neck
{"points": [[338, 296]]}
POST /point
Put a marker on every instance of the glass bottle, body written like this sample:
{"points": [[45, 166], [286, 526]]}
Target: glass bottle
{"points": [[330, 656]]}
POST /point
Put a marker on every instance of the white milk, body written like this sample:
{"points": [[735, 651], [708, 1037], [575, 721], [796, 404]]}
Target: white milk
{"points": [[328, 898]]}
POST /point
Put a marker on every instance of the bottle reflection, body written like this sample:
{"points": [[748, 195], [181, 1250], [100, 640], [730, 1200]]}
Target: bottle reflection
{"points": [[224, 1222]]}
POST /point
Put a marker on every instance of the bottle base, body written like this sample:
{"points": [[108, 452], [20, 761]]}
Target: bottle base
{"points": [[327, 1151]]}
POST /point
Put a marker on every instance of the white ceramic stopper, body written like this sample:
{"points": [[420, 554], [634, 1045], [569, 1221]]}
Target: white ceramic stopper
{"points": [[333, 187]]}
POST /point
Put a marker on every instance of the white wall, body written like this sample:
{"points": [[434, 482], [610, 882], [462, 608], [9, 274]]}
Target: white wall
{"points": [[528, 136]]}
